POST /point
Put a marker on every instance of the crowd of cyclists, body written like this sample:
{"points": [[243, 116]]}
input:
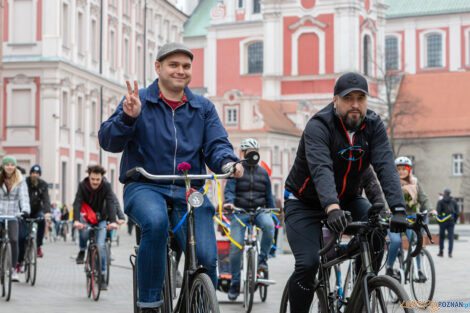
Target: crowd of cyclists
{"points": [[160, 126]]}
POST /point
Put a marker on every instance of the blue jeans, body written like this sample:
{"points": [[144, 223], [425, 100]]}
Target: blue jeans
{"points": [[395, 244], [100, 238], [237, 232], [146, 204]]}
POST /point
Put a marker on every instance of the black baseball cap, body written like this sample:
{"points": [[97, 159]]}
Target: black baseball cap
{"points": [[173, 47], [350, 82]]}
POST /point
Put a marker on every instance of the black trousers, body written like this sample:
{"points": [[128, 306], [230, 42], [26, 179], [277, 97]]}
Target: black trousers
{"points": [[303, 228]]}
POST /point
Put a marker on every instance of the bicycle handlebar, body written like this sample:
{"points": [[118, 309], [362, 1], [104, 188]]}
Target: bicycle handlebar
{"points": [[255, 211], [146, 174]]}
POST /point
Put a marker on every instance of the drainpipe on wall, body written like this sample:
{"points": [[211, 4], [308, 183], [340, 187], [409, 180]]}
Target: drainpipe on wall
{"points": [[101, 72], [2, 127]]}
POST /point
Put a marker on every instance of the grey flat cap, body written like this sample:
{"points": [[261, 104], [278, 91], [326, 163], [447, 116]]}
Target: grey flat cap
{"points": [[173, 47]]}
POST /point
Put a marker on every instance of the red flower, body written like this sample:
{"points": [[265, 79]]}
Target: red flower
{"points": [[183, 166]]}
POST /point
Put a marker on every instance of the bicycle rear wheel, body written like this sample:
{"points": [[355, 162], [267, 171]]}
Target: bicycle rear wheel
{"points": [[250, 279], [422, 288], [95, 273], [318, 304], [202, 297], [383, 292], [7, 270]]}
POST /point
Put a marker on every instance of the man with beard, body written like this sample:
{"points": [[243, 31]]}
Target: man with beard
{"points": [[337, 146]]}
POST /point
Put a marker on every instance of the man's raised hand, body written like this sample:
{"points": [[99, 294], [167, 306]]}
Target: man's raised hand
{"points": [[131, 104]]}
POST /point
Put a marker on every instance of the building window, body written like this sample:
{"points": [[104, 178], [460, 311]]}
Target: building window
{"points": [[93, 118], [65, 25], [23, 19], [460, 203], [391, 54], [276, 157], [94, 40], [240, 4], [80, 32], [140, 69], [457, 165], [63, 185], [126, 56], [256, 6], [112, 50], [21, 108], [64, 110], [79, 115], [166, 30], [468, 47], [434, 50], [276, 192], [255, 58], [367, 55], [231, 116], [79, 173], [112, 178]]}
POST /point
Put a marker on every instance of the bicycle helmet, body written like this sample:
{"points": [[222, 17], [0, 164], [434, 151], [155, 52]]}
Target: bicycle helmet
{"points": [[249, 143], [403, 161]]}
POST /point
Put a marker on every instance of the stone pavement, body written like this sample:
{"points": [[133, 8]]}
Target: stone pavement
{"points": [[60, 286]]}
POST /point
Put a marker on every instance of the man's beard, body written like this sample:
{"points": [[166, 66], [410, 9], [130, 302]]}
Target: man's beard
{"points": [[353, 124]]}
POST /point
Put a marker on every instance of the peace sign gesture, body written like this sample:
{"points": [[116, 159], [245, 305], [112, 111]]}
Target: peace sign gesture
{"points": [[132, 105]]}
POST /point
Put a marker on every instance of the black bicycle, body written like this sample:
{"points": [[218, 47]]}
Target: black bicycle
{"points": [[93, 264], [252, 278], [370, 293], [6, 266], [30, 257], [418, 272]]}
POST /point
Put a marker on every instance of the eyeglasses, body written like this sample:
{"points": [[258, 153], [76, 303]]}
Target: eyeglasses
{"points": [[352, 153]]}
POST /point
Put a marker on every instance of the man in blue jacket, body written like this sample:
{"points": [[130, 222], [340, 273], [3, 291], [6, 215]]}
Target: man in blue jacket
{"points": [[157, 128], [249, 192]]}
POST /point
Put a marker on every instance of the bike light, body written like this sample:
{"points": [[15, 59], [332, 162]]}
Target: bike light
{"points": [[196, 199]]}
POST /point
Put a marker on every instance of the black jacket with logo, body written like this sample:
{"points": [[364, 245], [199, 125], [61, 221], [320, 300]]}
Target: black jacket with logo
{"points": [[38, 196], [320, 176]]}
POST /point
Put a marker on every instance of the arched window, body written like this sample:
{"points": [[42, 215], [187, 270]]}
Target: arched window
{"points": [[391, 54], [434, 50], [255, 58], [367, 55]]}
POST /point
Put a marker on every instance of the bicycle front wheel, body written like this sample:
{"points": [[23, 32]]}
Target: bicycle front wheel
{"points": [[423, 279], [384, 291], [318, 304], [95, 273], [202, 295], [263, 289], [7, 270], [108, 260], [32, 256], [250, 279]]}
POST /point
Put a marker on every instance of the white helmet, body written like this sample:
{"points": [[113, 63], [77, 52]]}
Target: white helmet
{"points": [[249, 143], [403, 161]]}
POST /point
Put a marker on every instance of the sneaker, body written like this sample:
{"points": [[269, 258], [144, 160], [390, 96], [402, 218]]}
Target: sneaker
{"points": [[262, 265], [39, 252], [18, 268], [233, 291], [421, 277], [14, 276], [440, 254], [450, 255], [104, 285], [80, 257], [390, 272]]}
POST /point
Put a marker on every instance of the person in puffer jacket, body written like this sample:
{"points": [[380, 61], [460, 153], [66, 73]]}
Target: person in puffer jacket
{"points": [[14, 200]]}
